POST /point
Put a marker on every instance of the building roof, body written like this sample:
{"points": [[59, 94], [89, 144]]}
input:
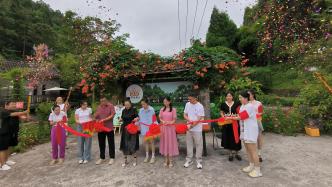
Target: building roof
{"points": [[8, 65]]}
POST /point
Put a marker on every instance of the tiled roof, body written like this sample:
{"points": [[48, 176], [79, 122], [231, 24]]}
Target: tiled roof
{"points": [[7, 65]]}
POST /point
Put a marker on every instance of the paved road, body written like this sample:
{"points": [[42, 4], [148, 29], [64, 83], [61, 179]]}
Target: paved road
{"points": [[289, 161]]}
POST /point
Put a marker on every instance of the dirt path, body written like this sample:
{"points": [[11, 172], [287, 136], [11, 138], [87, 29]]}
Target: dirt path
{"points": [[289, 161]]}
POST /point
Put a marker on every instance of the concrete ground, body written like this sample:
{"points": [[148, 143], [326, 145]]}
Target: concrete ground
{"points": [[289, 161]]}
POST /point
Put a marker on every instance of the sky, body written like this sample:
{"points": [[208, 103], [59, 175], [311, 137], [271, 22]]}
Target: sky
{"points": [[153, 25]]}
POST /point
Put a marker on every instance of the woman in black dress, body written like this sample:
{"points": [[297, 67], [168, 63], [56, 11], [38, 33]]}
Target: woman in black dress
{"points": [[229, 107], [129, 143]]}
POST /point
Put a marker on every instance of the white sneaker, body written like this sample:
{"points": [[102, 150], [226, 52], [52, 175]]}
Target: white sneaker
{"points": [[248, 169], [146, 160], [153, 160], [85, 162], [5, 168], [100, 161], [10, 163], [199, 165], [188, 163], [255, 173], [111, 162], [81, 161]]}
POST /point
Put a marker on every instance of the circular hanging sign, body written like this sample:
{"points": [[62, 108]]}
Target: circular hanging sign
{"points": [[135, 93]]}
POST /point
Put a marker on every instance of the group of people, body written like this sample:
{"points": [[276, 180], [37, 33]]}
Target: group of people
{"points": [[244, 113]]}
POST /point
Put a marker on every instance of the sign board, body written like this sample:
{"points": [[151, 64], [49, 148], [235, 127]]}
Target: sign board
{"points": [[19, 105], [135, 93]]}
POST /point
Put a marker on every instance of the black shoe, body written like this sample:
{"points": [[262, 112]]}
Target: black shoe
{"points": [[260, 159], [238, 157], [231, 158]]}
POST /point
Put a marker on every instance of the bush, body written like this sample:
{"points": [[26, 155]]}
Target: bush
{"points": [[32, 134], [215, 111], [314, 102], [278, 121], [238, 85], [274, 100], [43, 110], [263, 75]]}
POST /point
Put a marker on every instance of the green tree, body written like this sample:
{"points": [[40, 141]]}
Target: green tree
{"points": [[222, 30], [14, 78], [68, 66]]}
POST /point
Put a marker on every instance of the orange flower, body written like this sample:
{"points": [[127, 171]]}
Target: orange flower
{"points": [[85, 89], [83, 82], [103, 75], [232, 63], [204, 69], [222, 66], [200, 57], [181, 62]]}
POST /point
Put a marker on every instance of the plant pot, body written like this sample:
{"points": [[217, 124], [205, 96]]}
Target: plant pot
{"points": [[311, 131]]}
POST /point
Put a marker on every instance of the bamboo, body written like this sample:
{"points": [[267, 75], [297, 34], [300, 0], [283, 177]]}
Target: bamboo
{"points": [[322, 79]]}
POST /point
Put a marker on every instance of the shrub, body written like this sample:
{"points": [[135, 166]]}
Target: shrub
{"points": [[43, 110], [263, 75], [32, 134], [275, 100], [278, 121], [215, 111], [238, 85], [314, 102]]}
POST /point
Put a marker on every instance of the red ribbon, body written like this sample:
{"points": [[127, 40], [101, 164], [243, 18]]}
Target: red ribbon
{"points": [[235, 126], [72, 131], [94, 126]]}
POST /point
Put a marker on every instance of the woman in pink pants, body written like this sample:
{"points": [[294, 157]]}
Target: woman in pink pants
{"points": [[58, 135]]}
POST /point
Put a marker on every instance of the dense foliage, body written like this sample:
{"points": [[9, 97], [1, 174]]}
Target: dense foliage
{"points": [[314, 103], [115, 60], [25, 23], [284, 30]]}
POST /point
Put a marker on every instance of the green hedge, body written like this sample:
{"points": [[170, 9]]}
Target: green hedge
{"points": [[32, 134], [278, 121], [263, 75], [273, 100]]}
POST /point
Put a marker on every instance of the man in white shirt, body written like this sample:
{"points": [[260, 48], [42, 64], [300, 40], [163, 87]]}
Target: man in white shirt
{"points": [[193, 112]]}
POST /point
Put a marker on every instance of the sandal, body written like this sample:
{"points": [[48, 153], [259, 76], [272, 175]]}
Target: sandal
{"points": [[170, 164], [260, 159], [125, 162], [135, 162], [231, 158], [238, 157]]}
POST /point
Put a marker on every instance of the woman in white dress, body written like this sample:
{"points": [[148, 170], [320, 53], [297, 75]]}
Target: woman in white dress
{"points": [[259, 110], [249, 134]]}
